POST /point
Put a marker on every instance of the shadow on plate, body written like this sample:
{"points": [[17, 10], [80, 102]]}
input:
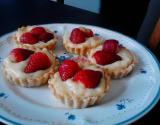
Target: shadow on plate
{"points": [[117, 88]]}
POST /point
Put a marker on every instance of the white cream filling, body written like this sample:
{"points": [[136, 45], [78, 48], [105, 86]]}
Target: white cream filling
{"points": [[29, 28], [91, 41], [17, 69], [77, 88], [125, 55]]}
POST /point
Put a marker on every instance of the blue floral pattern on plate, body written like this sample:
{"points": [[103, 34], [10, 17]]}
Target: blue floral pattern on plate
{"points": [[143, 71], [70, 116], [3, 95], [123, 103], [64, 56]]}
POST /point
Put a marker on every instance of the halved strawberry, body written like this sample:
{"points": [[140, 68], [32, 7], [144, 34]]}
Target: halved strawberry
{"points": [[104, 58], [77, 36], [67, 69], [89, 33], [28, 38], [111, 46], [89, 78], [37, 61], [46, 37], [38, 31], [20, 54]]}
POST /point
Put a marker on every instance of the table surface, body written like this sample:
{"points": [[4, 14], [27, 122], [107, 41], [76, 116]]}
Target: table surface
{"points": [[16, 13]]}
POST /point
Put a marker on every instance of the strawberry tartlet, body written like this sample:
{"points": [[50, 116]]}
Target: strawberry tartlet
{"points": [[115, 59], [28, 68], [80, 41], [79, 86], [35, 38]]}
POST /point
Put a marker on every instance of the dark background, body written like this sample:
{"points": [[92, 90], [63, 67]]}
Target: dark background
{"points": [[123, 16]]}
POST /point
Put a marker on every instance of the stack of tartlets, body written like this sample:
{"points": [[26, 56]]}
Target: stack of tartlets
{"points": [[78, 82]]}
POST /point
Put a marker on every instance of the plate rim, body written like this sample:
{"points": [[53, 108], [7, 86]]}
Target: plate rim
{"points": [[127, 121], [152, 103]]}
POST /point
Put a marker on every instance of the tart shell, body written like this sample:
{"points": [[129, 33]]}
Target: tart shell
{"points": [[31, 81], [50, 46], [122, 70], [72, 100], [82, 51]]}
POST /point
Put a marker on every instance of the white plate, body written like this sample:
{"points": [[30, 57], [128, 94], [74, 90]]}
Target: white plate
{"points": [[127, 100]]}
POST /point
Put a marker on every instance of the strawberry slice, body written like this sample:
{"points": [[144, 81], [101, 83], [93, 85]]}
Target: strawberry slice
{"points": [[46, 37], [89, 33], [37, 61], [104, 58], [111, 46], [28, 38], [77, 36], [89, 78], [38, 31], [67, 69], [20, 54]]}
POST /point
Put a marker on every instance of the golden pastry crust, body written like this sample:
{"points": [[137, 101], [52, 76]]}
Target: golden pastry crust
{"points": [[31, 81], [73, 100], [80, 51], [122, 72], [119, 68], [50, 45], [81, 48]]}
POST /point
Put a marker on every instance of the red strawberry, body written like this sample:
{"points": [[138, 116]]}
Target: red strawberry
{"points": [[104, 58], [77, 36], [89, 78], [89, 33], [28, 38], [111, 46], [37, 61], [38, 31], [46, 37], [20, 54], [67, 69]]}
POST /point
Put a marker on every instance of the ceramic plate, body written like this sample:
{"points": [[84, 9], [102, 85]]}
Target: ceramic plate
{"points": [[127, 100]]}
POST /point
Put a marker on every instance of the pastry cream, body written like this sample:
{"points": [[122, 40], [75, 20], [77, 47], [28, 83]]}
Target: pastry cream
{"points": [[91, 41], [126, 56], [29, 28], [17, 68], [77, 88]]}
